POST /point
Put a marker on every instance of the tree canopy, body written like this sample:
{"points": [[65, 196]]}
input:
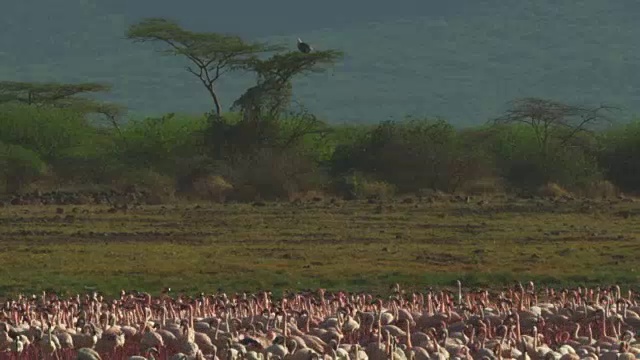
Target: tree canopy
{"points": [[273, 89], [60, 95], [50, 93], [211, 54], [283, 67], [553, 120]]}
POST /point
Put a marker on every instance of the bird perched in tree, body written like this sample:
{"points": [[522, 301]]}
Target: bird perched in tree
{"points": [[304, 47]]}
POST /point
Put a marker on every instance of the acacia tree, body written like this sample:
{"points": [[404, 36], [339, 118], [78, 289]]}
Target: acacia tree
{"points": [[263, 105], [554, 121], [51, 93], [61, 95], [272, 93], [563, 148], [211, 54]]}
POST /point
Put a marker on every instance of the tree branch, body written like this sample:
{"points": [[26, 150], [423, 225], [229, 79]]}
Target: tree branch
{"points": [[207, 51]]}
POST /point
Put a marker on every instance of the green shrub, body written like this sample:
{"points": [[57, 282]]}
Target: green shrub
{"points": [[525, 167], [410, 155], [271, 174], [160, 143], [619, 157], [48, 131], [95, 163], [236, 159], [19, 167]]}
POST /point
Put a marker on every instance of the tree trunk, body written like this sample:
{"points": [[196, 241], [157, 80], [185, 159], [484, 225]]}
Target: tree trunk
{"points": [[216, 102], [214, 96]]}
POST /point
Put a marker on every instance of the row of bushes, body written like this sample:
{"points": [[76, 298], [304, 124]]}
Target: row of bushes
{"points": [[47, 148]]}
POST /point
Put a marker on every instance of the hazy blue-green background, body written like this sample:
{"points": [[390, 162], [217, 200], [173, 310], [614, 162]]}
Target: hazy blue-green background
{"points": [[459, 59]]}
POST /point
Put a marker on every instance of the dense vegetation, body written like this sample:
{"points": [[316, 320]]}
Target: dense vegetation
{"points": [[53, 137]]}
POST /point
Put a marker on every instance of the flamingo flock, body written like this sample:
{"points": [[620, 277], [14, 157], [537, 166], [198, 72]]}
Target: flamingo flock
{"points": [[519, 322]]}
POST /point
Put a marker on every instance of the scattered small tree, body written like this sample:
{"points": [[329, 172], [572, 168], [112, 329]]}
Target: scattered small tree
{"points": [[18, 167], [262, 106], [553, 121], [271, 95], [556, 144], [55, 94], [211, 54], [61, 95]]}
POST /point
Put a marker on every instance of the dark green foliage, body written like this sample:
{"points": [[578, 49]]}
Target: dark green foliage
{"points": [[211, 54], [299, 153], [46, 93], [620, 157], [48, 130], [411, 155], [63, 96], [159, 143], [230, 137], [271, 174], [539, 141], [283, 67], [18, 167], [272, 93]]}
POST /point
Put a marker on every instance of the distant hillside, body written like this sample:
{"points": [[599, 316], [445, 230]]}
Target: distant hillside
{"points": [[461, 61]]}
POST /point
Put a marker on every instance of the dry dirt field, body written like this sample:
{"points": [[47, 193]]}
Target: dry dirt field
{"points": [[353, 245]]}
